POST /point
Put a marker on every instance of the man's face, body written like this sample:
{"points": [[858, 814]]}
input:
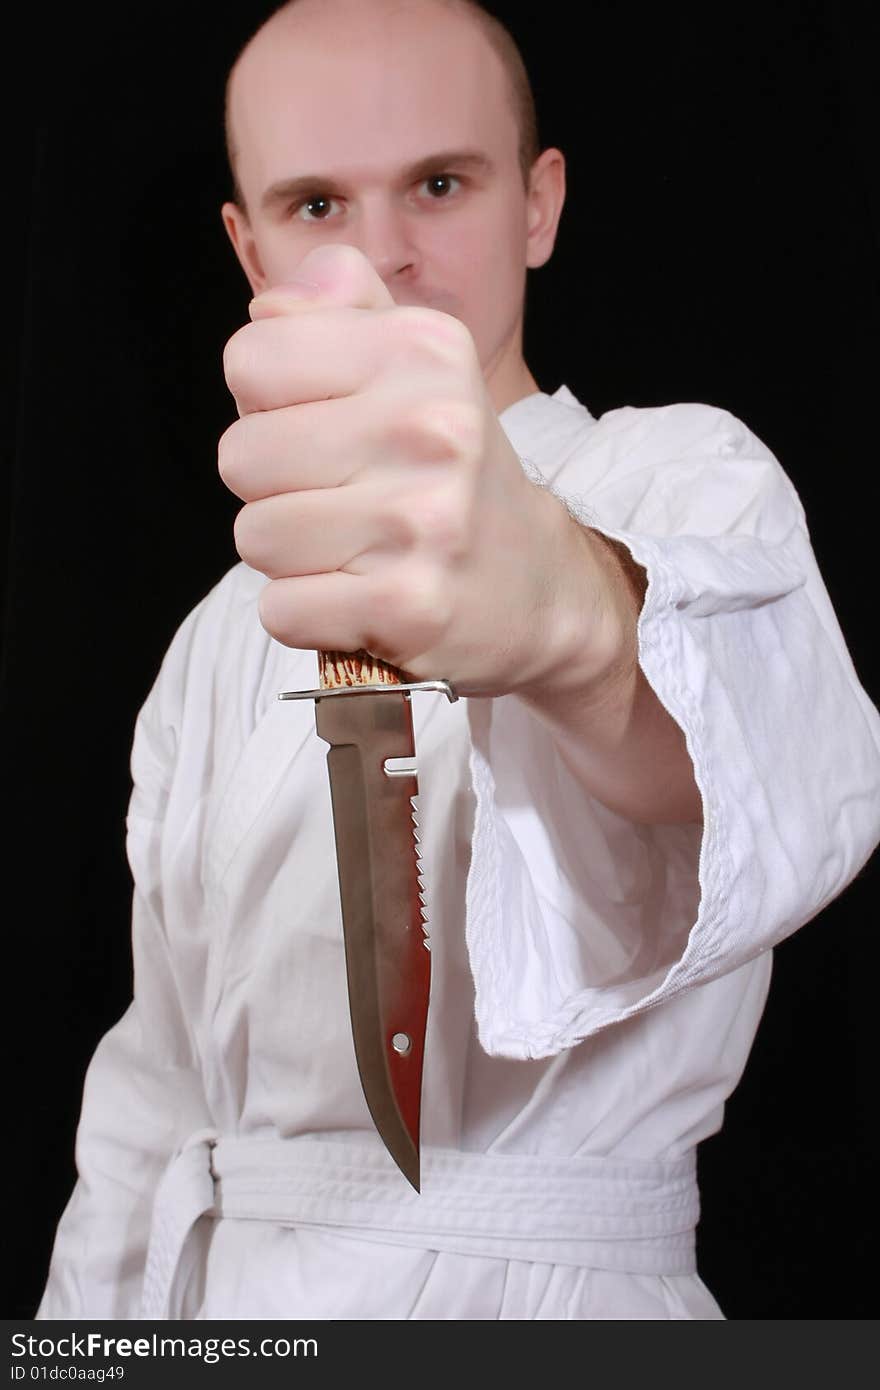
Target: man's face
{"points": [[387, 127]]}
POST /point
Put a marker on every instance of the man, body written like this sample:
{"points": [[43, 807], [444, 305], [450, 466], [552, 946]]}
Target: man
{"points": [[619, 821]]}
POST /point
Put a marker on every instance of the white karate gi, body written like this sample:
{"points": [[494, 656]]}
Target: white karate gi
{"points": [[616, 973]]}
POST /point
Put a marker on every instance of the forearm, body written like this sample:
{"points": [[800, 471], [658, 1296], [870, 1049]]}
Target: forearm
{"points": [[610, 728]]}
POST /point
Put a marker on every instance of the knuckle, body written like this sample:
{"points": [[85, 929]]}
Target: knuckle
{"points": [[238, 357], [249, 534], [417, 609], [443, 521], [231, 456], [442, 431], [240, 532], [457, 427], [274, 610], [399, 523], [431, 334], [437, 522], [426, 519], [262, 531]]}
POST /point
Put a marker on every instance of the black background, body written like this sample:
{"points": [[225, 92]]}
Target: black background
{"points": [[719, 244]]}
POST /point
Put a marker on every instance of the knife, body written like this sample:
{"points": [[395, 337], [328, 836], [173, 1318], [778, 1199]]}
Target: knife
{"points": [[363, 711]]}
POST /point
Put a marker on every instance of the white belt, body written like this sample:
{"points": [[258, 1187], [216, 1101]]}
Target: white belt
{"points": [[628, 1215]]}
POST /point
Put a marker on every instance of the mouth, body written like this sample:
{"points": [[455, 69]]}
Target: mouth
{"points": [[431, 300]]}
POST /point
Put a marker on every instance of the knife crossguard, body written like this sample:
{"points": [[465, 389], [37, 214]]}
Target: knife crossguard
{"points": [[387, 955], [359, 673]]}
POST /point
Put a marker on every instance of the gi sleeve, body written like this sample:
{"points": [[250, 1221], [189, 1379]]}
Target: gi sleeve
{"points": [[143, 1093], [577, 919]]}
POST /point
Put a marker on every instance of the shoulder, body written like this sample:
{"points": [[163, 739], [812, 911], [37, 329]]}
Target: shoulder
{"points": [[682, 430], [684, 467]]}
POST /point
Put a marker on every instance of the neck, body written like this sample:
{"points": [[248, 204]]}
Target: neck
{"points": [[507, 377], [504, 392]]}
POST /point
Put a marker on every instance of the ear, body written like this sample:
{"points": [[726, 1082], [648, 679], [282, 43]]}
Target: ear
{"points": [[238, 229], [544, 202]]}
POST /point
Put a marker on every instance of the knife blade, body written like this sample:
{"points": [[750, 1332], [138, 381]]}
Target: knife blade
{"points": [[363, 711]]}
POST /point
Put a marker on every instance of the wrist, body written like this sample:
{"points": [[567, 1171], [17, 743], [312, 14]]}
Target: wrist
{"points": [[587, 645]]}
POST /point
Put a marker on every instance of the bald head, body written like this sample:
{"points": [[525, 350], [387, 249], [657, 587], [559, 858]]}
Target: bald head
{"points": [[400, 128], [322, 21]]}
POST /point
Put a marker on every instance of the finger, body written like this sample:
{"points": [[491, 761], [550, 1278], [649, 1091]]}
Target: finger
{"points": [[300, 533], [396, 611], [321, 356], [326, 611], [318, 444], [339, 276]]}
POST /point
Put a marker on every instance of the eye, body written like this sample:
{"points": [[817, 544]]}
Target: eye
{"points": [[439, 185], [317, 208]]}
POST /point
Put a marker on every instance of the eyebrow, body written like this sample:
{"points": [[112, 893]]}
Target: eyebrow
{"points": [[289, 190]]}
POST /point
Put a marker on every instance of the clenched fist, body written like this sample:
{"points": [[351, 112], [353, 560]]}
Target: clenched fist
{"points": [[384, 501]]}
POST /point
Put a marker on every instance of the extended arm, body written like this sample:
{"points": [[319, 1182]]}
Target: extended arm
{"points": [[621, 744]]}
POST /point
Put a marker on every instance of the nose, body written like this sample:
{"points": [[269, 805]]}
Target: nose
{"points": [[384, 235]]}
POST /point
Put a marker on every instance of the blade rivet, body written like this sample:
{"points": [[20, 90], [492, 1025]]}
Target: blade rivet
{"points": [[401, 1043]]}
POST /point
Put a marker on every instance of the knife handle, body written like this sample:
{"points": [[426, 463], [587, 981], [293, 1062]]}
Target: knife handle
{"points": [[337, 669]]}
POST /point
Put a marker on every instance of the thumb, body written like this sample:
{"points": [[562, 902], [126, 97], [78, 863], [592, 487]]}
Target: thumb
{"points": [[338, 276]]}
